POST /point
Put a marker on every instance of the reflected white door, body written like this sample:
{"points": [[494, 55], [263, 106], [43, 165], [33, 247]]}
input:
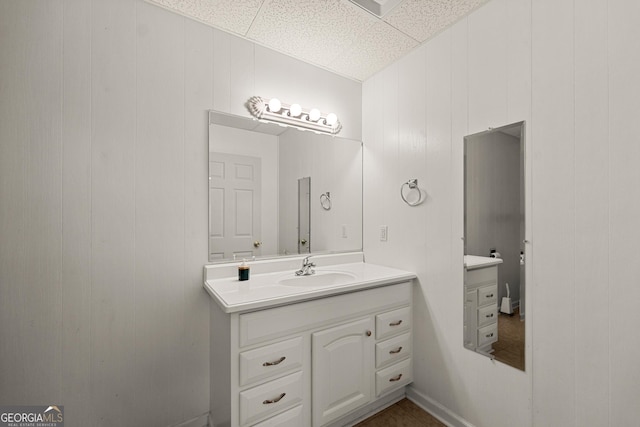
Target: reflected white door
{"points": [[234, 206]]}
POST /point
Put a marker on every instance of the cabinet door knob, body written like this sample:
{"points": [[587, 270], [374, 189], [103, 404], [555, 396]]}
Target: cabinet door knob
{"points": [[276, 400], [396, 351], [396, 378], [368, 333], [257, 244], [396, 323], [275, 362]]}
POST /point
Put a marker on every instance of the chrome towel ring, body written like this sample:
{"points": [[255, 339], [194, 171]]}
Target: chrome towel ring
{"points": [[413, 185], [325, 201]]}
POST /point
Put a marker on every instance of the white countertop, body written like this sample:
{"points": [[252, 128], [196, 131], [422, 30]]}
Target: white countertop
{"points": [[472, 262], [263, 290]]}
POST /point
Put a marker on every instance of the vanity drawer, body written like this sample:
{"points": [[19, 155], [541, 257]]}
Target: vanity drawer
{"points": [[393, 349], [292, 418], [487, 295], [270, 360], [487, 315], [392, 322], [393, 377], [271, 397], [488, 334]]}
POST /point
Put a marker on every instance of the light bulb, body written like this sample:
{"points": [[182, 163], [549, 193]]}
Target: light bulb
{"points": [[332, 119], [275, 105], [295, 110], [314, 114]]}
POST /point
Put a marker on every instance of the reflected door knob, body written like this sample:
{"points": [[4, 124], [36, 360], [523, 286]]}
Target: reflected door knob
{"points": [[303, 242], [257, 244]]}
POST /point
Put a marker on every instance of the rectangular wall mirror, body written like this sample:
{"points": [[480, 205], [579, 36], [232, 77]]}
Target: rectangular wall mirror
{"points": [[278, 191], [494, 244]]}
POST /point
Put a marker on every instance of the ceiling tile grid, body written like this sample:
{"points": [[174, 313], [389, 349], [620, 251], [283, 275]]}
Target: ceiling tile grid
{"points": [[333, 34], [380, 46], [315, 31]]}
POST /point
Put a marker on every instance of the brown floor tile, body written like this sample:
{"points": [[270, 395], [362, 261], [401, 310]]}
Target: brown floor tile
{"points": [[401, 414], [510, 346]]}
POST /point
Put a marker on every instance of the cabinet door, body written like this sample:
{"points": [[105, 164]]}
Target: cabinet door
{"points": [[342, 369]]}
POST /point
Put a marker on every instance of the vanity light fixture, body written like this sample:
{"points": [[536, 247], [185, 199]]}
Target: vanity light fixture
{"points": [[273, 110]]}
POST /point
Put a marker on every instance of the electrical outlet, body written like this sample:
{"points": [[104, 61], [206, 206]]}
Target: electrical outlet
{"points": [[384, 232]]}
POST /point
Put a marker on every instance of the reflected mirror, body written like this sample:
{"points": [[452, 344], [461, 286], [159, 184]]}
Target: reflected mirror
{"points": [[494, 244], [277, 191]]}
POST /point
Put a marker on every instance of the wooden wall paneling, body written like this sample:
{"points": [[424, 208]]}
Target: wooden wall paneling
{"points": [[198, 100], [160, 215], [394, 174], [488, 66], [113, 263], [624, 211], [518, 59], [31, 192], [76, 210], [233, 73], [553, 213], [373, 206], [412, 152], [437, 261], [591, 213], [459, 129]]}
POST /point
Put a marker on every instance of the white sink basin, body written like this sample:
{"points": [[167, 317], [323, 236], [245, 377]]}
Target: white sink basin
{"points": [[319, 279]]}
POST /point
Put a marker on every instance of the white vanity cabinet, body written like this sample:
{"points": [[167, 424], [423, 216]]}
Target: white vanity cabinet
{"points": [[481, 308], [310, 363]]}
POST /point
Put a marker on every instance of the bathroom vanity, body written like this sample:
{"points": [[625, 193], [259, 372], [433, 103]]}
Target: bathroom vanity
{"points": [[480, 302], [316, 350]]}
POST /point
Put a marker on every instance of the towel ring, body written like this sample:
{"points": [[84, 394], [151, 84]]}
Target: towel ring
{"points": [[325, 201], [413, 185]]}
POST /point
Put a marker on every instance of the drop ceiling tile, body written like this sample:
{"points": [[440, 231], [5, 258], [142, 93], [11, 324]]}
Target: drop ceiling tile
{"points": [[379, 46], [422, 19], [234, 16], [314, 31]]}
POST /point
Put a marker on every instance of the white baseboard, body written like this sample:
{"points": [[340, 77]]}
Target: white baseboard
{"points": [[199, 421], [443, 414]]}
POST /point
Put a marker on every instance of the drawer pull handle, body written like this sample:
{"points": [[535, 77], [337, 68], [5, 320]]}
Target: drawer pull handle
{"points": [[276, 362], [368, 333], [396, 378], [396, 351], [396, 323], [489, 335], [276, 400], [489, 295], [490, 315]]}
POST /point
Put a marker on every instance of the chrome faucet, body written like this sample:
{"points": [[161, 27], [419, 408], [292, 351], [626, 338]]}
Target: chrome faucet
{"points": [[307, 268]]}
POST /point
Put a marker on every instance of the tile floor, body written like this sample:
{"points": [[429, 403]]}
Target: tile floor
{"points": [[405, 413]]}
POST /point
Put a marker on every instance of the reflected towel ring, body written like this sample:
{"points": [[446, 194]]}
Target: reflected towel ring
{"points": [[325, 201], [413, 185]]}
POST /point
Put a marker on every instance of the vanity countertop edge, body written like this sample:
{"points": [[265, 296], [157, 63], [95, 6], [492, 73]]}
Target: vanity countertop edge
{"points": [[262, 291]]}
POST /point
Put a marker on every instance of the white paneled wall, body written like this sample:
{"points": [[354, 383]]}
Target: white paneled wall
{"points": [[570, 70], [103, 201]]}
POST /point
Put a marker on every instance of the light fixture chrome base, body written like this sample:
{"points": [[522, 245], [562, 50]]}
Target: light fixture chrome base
{"points": [[259, 108]]}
